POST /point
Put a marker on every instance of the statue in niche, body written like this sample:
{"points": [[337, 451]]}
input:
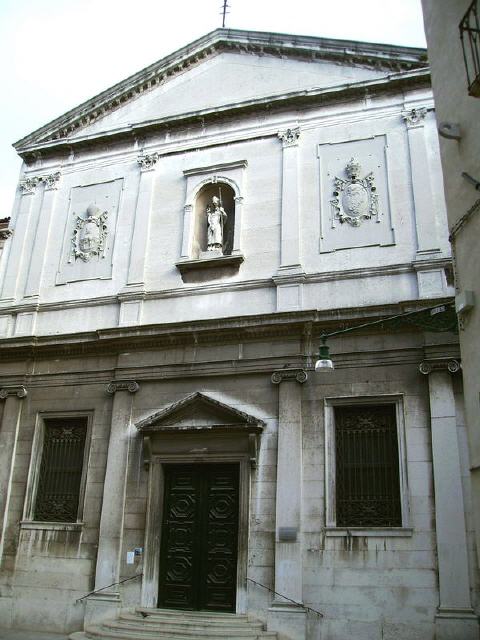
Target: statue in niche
{"points": [[216, 218], [89, 235]]}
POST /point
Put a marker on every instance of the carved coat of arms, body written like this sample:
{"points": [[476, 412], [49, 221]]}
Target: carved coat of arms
{"points": [[89, 234], [354, 199]]}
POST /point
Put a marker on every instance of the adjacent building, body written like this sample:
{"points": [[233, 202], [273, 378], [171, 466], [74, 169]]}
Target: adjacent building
{"points": [[180, 243], [453, 37]]}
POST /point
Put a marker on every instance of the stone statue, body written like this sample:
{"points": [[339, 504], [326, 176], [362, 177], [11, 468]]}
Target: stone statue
{"points": [[216, 218]]}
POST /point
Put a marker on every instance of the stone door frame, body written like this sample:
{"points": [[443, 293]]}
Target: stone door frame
{"points": [[153, 529]]}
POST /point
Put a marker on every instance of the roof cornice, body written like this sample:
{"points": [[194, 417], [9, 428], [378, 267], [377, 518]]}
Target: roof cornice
{"points": [[300, 99], [390, 57]]}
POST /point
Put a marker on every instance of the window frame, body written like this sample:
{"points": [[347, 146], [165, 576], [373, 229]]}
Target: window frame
{"points": [[28, 521], [330, 403]]}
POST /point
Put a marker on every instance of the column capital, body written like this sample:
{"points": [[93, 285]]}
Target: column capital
{"points": [[148, 161], [122, 385], [414, 117], [439, 364], [29, 185], [289, 375], [289, 137], [49, 180], [18, 391]]}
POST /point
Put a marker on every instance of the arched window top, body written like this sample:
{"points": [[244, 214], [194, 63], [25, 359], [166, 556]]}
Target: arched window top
{"points": [[212, 180]]}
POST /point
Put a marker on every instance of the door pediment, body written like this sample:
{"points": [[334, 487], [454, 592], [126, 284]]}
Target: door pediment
{"points": [[197, 412], [200, 425]]}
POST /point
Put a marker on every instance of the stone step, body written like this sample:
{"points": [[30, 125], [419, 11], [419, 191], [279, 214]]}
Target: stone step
{"points": [[204, 615], [143, 624], [189, 621], [193, 629], [102, 633]]}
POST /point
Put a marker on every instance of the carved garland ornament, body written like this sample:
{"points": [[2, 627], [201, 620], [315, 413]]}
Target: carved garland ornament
{"points": [[354, 199], [89, 235]]}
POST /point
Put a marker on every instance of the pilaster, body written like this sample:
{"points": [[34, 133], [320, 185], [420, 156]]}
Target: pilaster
{"points": [[425, 215], [106, 604], [284, 616], [13, 396], [40, 243], [290, 225], [22, 224], [455, 617], [136, 269]]}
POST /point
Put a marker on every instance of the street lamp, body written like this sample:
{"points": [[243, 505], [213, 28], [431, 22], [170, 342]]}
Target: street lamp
{"points": [[432, 318]]}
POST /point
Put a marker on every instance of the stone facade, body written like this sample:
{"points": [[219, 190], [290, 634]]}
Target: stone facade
{"points": [[325, 158]]}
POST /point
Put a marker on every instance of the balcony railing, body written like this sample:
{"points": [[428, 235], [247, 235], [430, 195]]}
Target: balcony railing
{"points": [[470, 37]]}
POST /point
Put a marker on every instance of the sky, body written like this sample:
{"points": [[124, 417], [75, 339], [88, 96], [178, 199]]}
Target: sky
{"points": [[55, 54]]}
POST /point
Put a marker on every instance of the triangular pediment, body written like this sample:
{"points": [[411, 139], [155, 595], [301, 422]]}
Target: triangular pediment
{"points": [[199, 411], [223, 69]]}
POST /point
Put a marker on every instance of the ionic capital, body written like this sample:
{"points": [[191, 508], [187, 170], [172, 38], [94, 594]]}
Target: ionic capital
{"points": [[18, 391], [289, 375], [439, 364], [122, 385]]}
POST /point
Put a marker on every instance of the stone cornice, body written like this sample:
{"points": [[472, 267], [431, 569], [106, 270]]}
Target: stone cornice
{"points": [[241, 285], [214, 331], [402, 81], [350, 52]]}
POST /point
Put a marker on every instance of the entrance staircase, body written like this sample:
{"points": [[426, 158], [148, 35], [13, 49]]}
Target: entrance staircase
{"points": [[142, 624]]}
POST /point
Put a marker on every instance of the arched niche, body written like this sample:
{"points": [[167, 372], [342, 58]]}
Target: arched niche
{"points": [[223, 181], [204, 199]]}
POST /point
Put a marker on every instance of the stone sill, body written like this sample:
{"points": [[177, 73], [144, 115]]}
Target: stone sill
{"points": [[51, 526], [208, 269], [380, 532], [207, 263]]}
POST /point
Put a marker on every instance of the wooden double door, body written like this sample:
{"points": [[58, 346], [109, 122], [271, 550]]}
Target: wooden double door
{"points": [[198, 562]]}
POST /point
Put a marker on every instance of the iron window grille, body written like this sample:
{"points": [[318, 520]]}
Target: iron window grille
{"points": [[367, 469], [470, 38], [61, 469]]}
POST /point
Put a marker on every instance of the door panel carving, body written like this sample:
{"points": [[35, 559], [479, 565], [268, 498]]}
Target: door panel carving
{"points": [[198, 564]]}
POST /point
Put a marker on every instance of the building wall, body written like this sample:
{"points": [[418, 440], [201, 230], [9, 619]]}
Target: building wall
{"points": [[454, 105], [130, 316]]}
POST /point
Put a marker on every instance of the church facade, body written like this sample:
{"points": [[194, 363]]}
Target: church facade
{"points": [[179, 245]]}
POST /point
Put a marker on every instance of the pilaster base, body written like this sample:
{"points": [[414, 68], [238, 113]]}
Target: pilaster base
{"points": [[102, 606], [288, 620], [456, 624]]}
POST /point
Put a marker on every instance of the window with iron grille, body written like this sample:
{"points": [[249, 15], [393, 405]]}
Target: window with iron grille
{"points": [[61, 469], [367, 480]]}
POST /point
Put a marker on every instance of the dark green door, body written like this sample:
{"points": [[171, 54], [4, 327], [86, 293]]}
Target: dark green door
{"points": [[198, 562]]}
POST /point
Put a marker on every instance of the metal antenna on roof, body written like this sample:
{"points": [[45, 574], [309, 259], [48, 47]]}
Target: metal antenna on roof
{"points": [[224, 12]]}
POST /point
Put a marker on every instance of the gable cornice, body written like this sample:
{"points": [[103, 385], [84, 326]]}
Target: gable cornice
{"points": [[151, 423], [389, 57], [402, 81]]}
